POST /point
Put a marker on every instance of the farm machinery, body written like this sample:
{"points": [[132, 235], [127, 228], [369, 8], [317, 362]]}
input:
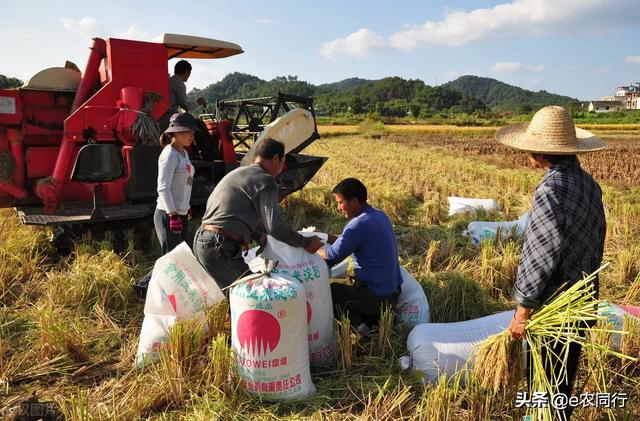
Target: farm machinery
{"points": [[74, 154]]}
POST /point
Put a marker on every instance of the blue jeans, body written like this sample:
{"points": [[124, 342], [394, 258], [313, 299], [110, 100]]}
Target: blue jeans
{"points": [[221, 257]]}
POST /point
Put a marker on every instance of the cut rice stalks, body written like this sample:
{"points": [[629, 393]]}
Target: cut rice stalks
{"points": [[562, 320]]}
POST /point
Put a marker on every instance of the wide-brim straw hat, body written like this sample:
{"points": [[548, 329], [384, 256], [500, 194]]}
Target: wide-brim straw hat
{"points": [[550, 131]]}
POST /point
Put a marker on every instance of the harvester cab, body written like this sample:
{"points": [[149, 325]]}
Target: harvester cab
{"points": [[81, 149]]}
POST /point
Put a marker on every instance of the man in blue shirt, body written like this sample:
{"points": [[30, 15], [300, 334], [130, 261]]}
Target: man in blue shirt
{"points": [[370, 238]]}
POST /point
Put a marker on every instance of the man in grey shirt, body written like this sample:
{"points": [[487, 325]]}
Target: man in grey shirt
{"points": [[242, 206], [177, 89]]}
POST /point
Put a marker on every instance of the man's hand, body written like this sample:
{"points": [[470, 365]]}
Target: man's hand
{"points": [[262, 242], [518, 325], [322, 252], [332, 238], [314, 244]]}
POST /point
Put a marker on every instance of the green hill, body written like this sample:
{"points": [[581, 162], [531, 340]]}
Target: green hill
{"points": [[390, 96], [500, 96]]}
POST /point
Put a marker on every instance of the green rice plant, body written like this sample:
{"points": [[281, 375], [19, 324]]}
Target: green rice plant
{"points": [[429, 255], [372, 129], [439, 402], [177, 366], [76, 407], [217, 319], [633, 293], [58, 337], [220, 364], [387, 403], [385, 328], [630, 345], [344, 342], [454, 297]]}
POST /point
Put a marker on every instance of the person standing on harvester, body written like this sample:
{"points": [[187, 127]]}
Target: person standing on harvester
{"points": [[244, 206], [370, 238], [566, 232]]}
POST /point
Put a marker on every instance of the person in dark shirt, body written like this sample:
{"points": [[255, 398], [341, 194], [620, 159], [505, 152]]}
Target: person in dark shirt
{"points": [[565, 235], [370, 238]]}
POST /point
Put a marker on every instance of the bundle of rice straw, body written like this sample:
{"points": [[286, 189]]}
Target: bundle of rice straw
{"points": [[560, 320], [146, 128]]}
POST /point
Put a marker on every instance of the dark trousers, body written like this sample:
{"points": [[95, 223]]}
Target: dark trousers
{"points": [[169, 240], [221, 256], [359, 303], [553, 368]]}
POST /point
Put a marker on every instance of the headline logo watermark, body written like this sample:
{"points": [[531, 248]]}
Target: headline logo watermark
{"points": [[562, 401]]}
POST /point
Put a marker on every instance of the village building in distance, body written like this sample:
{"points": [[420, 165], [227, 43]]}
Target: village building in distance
{"points": [[624, 98]]}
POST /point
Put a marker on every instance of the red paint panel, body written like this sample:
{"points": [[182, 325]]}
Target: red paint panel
{"points": [[41, 161]]}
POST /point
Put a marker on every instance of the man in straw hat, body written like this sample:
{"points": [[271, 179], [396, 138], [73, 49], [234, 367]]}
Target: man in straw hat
{"points": [[566, 232]]}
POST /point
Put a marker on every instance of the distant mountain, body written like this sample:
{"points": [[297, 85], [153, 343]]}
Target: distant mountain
{"points": [[390, 96], [500, 96], [344, 84]]}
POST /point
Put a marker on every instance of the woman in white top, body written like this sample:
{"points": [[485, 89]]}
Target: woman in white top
{"points": [[175, 178]]}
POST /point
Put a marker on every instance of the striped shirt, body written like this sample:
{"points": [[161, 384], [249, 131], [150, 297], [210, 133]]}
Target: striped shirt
{"points": [[565, 236]]}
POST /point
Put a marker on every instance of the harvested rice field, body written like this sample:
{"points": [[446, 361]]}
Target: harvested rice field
{"points": [[70, 324]]}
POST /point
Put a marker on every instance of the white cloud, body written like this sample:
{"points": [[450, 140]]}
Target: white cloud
{"points": [[506, 66], [132, 33], [265, 21], [511, 66], [87, 27], [523, 18], [633, 59], [355, 44]]}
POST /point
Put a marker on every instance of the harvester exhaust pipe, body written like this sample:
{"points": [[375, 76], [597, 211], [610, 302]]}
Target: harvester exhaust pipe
{"points": [[90, 75]]}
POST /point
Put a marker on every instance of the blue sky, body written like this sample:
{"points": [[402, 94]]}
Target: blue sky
{"points": [[581, 48]]}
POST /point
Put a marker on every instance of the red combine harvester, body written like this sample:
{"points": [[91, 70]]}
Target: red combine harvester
{"points": [[75, 156]]}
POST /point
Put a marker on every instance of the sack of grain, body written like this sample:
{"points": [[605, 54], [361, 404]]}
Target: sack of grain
{"points": [[179, 289], [465, 204], [412, 307], [269, 337], [311, 271], [445, 348], [480, 231]]}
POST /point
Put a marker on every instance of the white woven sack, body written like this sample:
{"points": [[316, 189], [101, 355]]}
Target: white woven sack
{"points": [[465, 204], [179, 289], [444, 348], [311, 271], [480, 231], [412, 307], [269, 337]]}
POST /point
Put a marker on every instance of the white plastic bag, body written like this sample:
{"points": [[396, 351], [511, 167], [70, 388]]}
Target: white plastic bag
{"points": [[480, 231], [179, 289], [444, 348], [339, 270], [312, 272], [269, 336], [412, 307], [615, 315], [464, 204]]}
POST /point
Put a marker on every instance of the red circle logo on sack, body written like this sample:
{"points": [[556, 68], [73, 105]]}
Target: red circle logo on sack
{"points": [[258, 331], [308, 312]]}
